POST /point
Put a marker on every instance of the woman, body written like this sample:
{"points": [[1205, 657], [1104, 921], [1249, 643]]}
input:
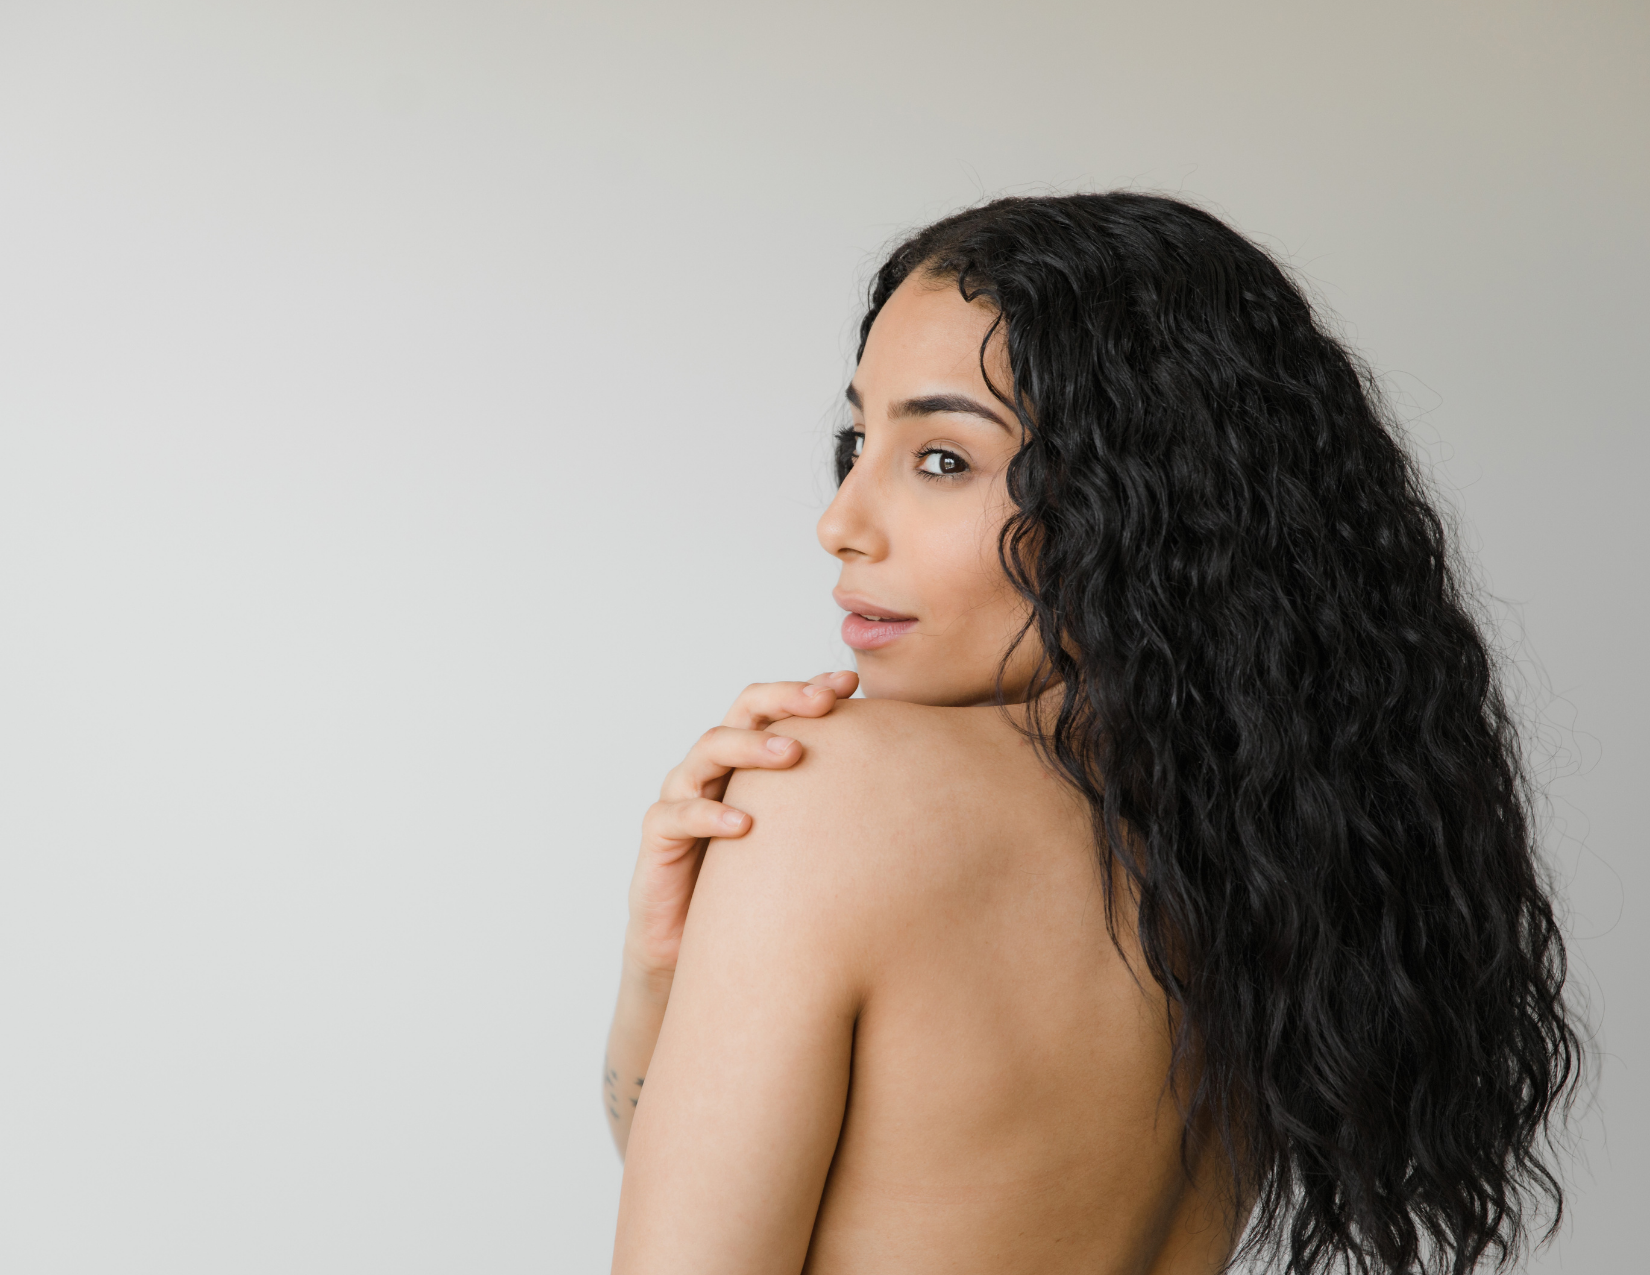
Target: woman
{"points": [[1176, 873]]}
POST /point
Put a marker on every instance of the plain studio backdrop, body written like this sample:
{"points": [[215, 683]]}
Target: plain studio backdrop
{"points": [[412, 426]]}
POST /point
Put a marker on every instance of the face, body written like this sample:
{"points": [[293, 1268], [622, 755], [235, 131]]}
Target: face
{"points": [[915, 523]]}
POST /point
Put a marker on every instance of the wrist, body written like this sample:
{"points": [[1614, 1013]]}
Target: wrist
{"points": [[646, 973]]}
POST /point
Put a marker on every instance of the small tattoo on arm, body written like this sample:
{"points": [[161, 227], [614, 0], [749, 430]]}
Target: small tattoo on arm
{"points": [[610, 1089]]}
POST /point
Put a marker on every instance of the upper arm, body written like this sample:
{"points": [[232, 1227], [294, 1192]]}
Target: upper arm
{"points": [[745, 1094]]}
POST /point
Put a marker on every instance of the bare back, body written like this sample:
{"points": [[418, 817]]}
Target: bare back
{"points": [[1003, 1105], [1007, 1109]]}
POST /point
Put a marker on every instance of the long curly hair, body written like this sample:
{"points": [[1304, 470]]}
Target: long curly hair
{"points": [[1265, 677]]}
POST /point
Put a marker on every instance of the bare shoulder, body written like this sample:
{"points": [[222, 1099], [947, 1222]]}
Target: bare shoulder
{"points": [[891, 804], [909, 738], [876, 764], [851, 759]]}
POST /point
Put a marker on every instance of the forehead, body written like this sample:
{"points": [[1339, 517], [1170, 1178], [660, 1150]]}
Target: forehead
{"points": [[925, 338]]}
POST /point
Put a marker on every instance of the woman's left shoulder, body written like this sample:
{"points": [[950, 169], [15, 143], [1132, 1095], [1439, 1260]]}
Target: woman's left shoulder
{"points": [[899, 795], [890, 739]]}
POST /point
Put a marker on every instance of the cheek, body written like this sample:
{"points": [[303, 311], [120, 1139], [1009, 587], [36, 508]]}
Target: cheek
{"points": [[959, 572]]}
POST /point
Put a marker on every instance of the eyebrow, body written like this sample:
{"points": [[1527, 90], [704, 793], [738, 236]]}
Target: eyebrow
{"points": [[933, 405]]}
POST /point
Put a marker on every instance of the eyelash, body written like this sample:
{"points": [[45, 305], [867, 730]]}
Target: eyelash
{"points": [[847, 436], [925, 452]]}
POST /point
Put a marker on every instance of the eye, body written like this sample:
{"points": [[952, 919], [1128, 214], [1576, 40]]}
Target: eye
{"points": [[940, 464], [849, 444]]}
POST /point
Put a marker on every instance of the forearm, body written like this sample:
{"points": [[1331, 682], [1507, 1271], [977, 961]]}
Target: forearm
{"points": [[636, 1021]]}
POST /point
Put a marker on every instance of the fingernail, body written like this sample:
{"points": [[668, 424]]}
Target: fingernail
{"points": [[814, 692], [733, 818], [779, 744]]}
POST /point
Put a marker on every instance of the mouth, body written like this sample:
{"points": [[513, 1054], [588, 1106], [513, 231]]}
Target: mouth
{"points": [[869, 626]]}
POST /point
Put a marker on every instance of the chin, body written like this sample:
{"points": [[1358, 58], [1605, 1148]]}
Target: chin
{"points": [[934, 683], [920, 686]]}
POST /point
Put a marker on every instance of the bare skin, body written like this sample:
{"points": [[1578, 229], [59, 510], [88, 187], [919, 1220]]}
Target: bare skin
{"points": [[674, 835], [892, 1033]]}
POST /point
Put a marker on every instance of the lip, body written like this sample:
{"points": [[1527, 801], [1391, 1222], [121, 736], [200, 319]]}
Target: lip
{"points": [[870, 635]]}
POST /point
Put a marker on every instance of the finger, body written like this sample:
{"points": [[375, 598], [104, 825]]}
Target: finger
{"points": [[844, 682], [821, 692], [674, 826], [722, 749], [762, 703]]}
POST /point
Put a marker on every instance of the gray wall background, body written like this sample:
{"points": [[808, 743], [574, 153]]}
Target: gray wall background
{"points": [[412, 425]]}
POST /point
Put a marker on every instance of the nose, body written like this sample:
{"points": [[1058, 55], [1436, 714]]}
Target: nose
{"points": [[850, 529]]}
